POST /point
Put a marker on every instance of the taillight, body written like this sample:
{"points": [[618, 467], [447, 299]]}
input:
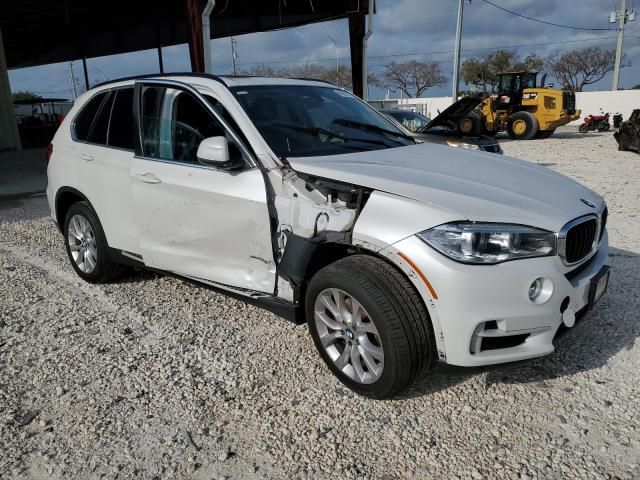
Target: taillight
{"points": [[49, 151]]}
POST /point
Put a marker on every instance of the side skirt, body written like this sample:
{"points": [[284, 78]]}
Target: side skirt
{"points": [[287, 310]]}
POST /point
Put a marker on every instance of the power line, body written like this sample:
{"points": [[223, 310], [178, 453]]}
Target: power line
{"points": [[440, 52], [541, 21]]}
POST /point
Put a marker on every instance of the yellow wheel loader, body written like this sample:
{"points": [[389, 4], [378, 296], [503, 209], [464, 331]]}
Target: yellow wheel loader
{"points": [[522, 108]]}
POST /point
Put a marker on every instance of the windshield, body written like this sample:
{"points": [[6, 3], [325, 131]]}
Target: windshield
{"points": [[411, 120], [305, 120]]}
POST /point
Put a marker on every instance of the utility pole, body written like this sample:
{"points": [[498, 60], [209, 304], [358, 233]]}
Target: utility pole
{"points": [[623, 16], [335, 44], [456, 57], [72, 79], [234, 54]]}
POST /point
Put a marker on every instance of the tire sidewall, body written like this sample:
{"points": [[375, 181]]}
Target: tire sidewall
{"points": [[531, 122], [84, 209], [385, 383]]}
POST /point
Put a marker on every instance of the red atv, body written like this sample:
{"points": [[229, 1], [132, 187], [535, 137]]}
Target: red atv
{"points": [[595, 122]]}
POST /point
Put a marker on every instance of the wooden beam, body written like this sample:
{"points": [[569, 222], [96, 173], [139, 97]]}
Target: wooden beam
{"points": [[194, 33]]}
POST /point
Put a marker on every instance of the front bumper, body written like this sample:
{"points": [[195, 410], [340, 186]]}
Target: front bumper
{"points": [[474, 302]]}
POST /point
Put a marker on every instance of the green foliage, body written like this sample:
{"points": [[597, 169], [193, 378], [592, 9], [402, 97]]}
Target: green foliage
{"points": [[483, 73], [24, 95]]}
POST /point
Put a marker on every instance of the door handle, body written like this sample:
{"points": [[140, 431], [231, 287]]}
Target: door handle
{"points": [[87, 158], [147, 177]]}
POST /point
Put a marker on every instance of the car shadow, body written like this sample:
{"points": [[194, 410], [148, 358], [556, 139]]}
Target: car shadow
{"points": [[564, 135], [610, 328]]}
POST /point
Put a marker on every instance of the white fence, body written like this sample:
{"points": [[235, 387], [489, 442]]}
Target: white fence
{"points": [[623, 101]]}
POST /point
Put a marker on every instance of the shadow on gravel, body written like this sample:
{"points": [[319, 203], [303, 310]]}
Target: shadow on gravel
{"points": [[608, 329], [504, 138]]}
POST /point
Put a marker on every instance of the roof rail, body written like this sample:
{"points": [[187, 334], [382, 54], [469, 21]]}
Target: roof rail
{"points": [[160, 75]]}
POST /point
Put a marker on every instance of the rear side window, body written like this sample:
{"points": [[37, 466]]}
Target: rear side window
{"points": [[84, 120], [121, 125], [98, 133]]}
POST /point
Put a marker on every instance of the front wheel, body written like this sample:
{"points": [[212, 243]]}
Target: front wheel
{"points": [[369, 325], [584, 128]]}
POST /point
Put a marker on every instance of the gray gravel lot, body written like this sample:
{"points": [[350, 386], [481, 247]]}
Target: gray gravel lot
{"points": [[150, 377]]}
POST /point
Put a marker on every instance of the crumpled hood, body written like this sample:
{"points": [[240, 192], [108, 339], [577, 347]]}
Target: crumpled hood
{"points": [[470, 185]]}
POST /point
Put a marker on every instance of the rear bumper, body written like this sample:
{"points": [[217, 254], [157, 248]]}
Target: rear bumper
{"points": [[483, 314]]}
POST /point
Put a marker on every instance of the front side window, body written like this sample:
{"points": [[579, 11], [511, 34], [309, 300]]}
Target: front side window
{"points": [[84, 120], [305, 120], [173, 124]]}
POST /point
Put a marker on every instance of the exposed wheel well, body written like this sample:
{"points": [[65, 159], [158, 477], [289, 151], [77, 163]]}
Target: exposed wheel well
{"points": [[329, 253], [64, 199]]}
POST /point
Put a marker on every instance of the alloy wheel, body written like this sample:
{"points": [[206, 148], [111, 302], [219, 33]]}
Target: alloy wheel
{"points": [[348, 335], [82, 243]]}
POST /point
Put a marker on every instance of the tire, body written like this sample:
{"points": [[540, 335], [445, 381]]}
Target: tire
{"points": [[522, 126], [545, 133], [584, 128], [471, 124], [83, 229], [604, 127], [400, 321]]}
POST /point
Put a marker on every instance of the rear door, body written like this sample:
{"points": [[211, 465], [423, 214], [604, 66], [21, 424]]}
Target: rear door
{"points": [[195, 220], [105, 160]]}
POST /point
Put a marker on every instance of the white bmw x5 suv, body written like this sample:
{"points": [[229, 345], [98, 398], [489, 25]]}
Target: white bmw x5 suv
{"points": [[299, 197]]}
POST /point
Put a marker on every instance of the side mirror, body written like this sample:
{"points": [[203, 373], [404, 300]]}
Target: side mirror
{"points": [[214, 152]]}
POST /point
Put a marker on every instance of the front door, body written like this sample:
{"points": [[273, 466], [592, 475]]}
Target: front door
{"points": [[195, 220]]}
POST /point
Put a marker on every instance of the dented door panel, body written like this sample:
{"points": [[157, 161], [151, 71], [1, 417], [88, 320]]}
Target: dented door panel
{"points": [[205, 223]]}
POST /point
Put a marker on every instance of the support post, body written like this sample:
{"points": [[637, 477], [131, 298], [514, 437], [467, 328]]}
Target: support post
{"points": [[160, 62], [356, 37], [365, 60], [86, 73], [9, 133], [456, 57], [206, 35], [616, 70], [194, 34]]}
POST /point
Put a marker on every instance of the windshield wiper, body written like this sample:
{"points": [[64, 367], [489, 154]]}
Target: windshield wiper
{"points": [[373, 128], [329, 133]]}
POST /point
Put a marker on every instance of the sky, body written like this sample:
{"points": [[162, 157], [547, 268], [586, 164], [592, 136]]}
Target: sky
{"points": [[422, 30]]}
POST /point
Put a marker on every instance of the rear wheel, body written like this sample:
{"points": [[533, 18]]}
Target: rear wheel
{"points": [[369, 325], [86, 245], [522, 126]]}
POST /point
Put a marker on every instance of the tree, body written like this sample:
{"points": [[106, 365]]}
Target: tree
{"points": [[483, 73], [24, 95], [413, 77], [579, 68]]}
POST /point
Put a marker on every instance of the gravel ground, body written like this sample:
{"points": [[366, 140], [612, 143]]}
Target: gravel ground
{"points": [[150, 377]]}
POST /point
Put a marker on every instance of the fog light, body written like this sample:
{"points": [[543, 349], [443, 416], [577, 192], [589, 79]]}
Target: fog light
{"points": [[540, 290]]}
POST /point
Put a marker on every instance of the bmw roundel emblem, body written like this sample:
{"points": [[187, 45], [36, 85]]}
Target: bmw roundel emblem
{"points": [[587, 203]]}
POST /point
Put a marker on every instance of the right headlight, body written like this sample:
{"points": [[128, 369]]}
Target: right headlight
{"points": [[489, 243]]}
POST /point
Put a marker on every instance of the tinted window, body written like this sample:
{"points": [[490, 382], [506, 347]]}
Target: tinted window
{"points": [[303, 120], [85, 118], [121, 125], [98, 133], [174, 123]]}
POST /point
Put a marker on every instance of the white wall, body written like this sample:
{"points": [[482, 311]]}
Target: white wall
{"points": [[623, 101]]}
